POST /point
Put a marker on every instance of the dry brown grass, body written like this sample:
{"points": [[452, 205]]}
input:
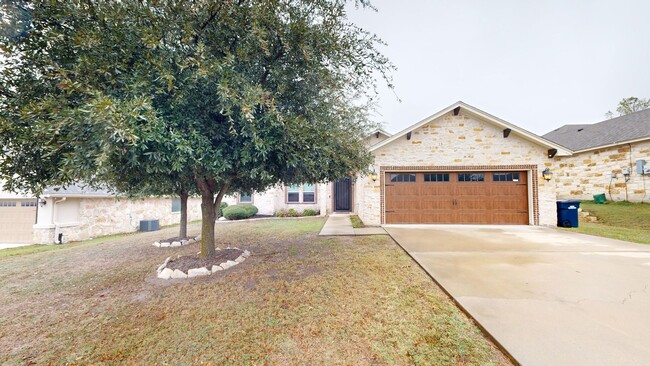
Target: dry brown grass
{"points": [[299, 299]]}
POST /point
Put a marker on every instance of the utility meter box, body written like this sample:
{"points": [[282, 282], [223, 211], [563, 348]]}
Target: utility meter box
{"points": [[640, 165], [646, 169]]}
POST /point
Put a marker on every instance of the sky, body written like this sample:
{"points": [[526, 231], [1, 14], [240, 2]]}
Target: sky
{"points": [[537, 64]]}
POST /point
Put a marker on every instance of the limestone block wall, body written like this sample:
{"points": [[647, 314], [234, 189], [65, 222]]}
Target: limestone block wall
{"points": [[457, 141], [584, 174], [105, 216]]}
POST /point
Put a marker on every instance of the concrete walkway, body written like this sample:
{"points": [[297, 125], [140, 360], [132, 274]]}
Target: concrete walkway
{"points": [[340, 225], [549, 297]]}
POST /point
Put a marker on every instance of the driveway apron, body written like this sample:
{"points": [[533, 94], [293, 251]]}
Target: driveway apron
{"points": [[549, 297]]}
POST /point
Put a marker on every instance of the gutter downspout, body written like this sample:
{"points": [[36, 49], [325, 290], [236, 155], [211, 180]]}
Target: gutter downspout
{"points": [[56, 225]]}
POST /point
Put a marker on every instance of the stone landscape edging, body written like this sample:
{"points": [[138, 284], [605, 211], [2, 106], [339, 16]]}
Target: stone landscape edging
{"points": [[167, 273], [167, 244]]}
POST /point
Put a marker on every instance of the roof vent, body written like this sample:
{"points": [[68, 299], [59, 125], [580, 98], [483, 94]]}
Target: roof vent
{"points": [[580, 129]]}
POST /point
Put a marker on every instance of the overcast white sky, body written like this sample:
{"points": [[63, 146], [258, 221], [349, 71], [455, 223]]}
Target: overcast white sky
{"points": [[537, 64]]}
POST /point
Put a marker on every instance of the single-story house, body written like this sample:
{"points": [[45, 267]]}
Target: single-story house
{"points": [[608, 157], [458, 166], [81, 213]]}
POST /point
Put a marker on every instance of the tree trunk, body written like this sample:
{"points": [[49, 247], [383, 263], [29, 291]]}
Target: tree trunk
{"points": [[208, 219], [209, 209], [182, 232]]}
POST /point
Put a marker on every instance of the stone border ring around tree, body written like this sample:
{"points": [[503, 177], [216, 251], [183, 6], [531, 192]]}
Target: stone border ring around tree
{"points": [[176, 243], [167, 273]]}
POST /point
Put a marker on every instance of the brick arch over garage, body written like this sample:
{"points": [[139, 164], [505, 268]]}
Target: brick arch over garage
{"points": [[530, 168]]}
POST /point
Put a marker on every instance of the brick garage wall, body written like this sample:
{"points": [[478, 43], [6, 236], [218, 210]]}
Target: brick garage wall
{"points": [[584, 174], [107, 216], [451, 142]]}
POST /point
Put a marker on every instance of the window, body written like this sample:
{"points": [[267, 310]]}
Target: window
{"points": [[402, 178], [293, 193], [471, 177], [28, 204], [245, 198], [308, 193], [505, 177], [301, 193], [7, 204], [436, 177], [176, 205]]}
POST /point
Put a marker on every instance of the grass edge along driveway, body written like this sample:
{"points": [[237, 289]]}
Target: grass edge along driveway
{"points": [[299, 299]]}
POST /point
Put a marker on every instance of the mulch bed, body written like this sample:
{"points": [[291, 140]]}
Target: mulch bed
{"points": [[185, 263]]}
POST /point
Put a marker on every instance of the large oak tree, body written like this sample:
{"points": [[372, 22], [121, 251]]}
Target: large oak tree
{"points": [[230, 95]]}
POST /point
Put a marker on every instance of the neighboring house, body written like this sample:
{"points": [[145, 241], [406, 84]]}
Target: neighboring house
{"points": [[17, 216], [605, 158], [80, 213]]}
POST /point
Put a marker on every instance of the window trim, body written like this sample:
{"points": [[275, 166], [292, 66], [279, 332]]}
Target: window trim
{"points": [[247, 203], [444, 174], [179, 205], [409, 174], [300, 195]]}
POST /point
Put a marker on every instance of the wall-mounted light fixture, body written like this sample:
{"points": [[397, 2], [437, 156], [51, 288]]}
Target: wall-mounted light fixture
{"points": [[547, 174], [373, 175], [42, 202]]}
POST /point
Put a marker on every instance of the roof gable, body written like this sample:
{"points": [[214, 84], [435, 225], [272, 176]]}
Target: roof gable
{"points": [[466, 108], [631, 127]]}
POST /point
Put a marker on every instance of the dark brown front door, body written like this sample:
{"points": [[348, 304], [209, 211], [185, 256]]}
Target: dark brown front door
{"points": [[456, 198], [342, 195]]}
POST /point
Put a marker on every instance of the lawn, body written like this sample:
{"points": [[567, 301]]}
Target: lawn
{"points": [[618, 220], [299, 299]]}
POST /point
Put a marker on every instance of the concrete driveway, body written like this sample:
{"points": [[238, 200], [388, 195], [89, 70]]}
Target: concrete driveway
{"points": [[549, 297]]}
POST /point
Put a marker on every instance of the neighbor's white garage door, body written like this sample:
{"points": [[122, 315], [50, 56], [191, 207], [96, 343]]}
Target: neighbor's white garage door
{"points": [[16, 221]]}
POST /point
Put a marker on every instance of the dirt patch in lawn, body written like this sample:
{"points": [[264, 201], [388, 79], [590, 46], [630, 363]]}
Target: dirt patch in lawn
{"points": [[187, 262]]}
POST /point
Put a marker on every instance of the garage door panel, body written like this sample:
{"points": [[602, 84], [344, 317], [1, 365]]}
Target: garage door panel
{"points": [[17, 219], [500, 198]]}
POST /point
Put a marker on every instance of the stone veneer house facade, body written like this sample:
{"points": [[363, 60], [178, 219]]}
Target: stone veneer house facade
{"points": [[458, 166], [602, 153]]}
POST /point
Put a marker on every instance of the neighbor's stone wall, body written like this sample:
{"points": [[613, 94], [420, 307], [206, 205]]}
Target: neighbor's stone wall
{"points": [[107, 216], [584, 174], [461, 141]]}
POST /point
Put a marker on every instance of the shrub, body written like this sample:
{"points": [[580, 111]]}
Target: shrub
{"points": [[280, 214], [221, 207], [292, 213], [310, 212], [239, 212]]}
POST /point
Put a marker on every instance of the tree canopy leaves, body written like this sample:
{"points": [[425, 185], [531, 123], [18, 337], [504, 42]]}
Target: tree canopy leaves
{"points": [[235, 95]]}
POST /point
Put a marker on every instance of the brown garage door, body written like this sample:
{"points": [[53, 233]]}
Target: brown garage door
{"points": [[16, 220], [456, 198]]}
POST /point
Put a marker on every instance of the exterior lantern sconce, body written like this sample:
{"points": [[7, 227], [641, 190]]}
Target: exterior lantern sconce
{"points": [[547, 174], [373, 175], [42, 202]]}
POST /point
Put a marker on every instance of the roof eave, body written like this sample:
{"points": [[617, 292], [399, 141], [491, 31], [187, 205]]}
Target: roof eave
{"points": [[561, 150], [613, 144]]}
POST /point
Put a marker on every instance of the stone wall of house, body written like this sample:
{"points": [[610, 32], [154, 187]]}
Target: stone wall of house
{"points": [[588, 173], [106, 216], [455, 141]]}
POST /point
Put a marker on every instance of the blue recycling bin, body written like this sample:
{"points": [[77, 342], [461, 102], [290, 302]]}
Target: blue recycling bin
{"points": [[567, 213]]}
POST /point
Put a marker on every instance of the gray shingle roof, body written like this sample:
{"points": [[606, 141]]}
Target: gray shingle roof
{"points": [[633, 126]]}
